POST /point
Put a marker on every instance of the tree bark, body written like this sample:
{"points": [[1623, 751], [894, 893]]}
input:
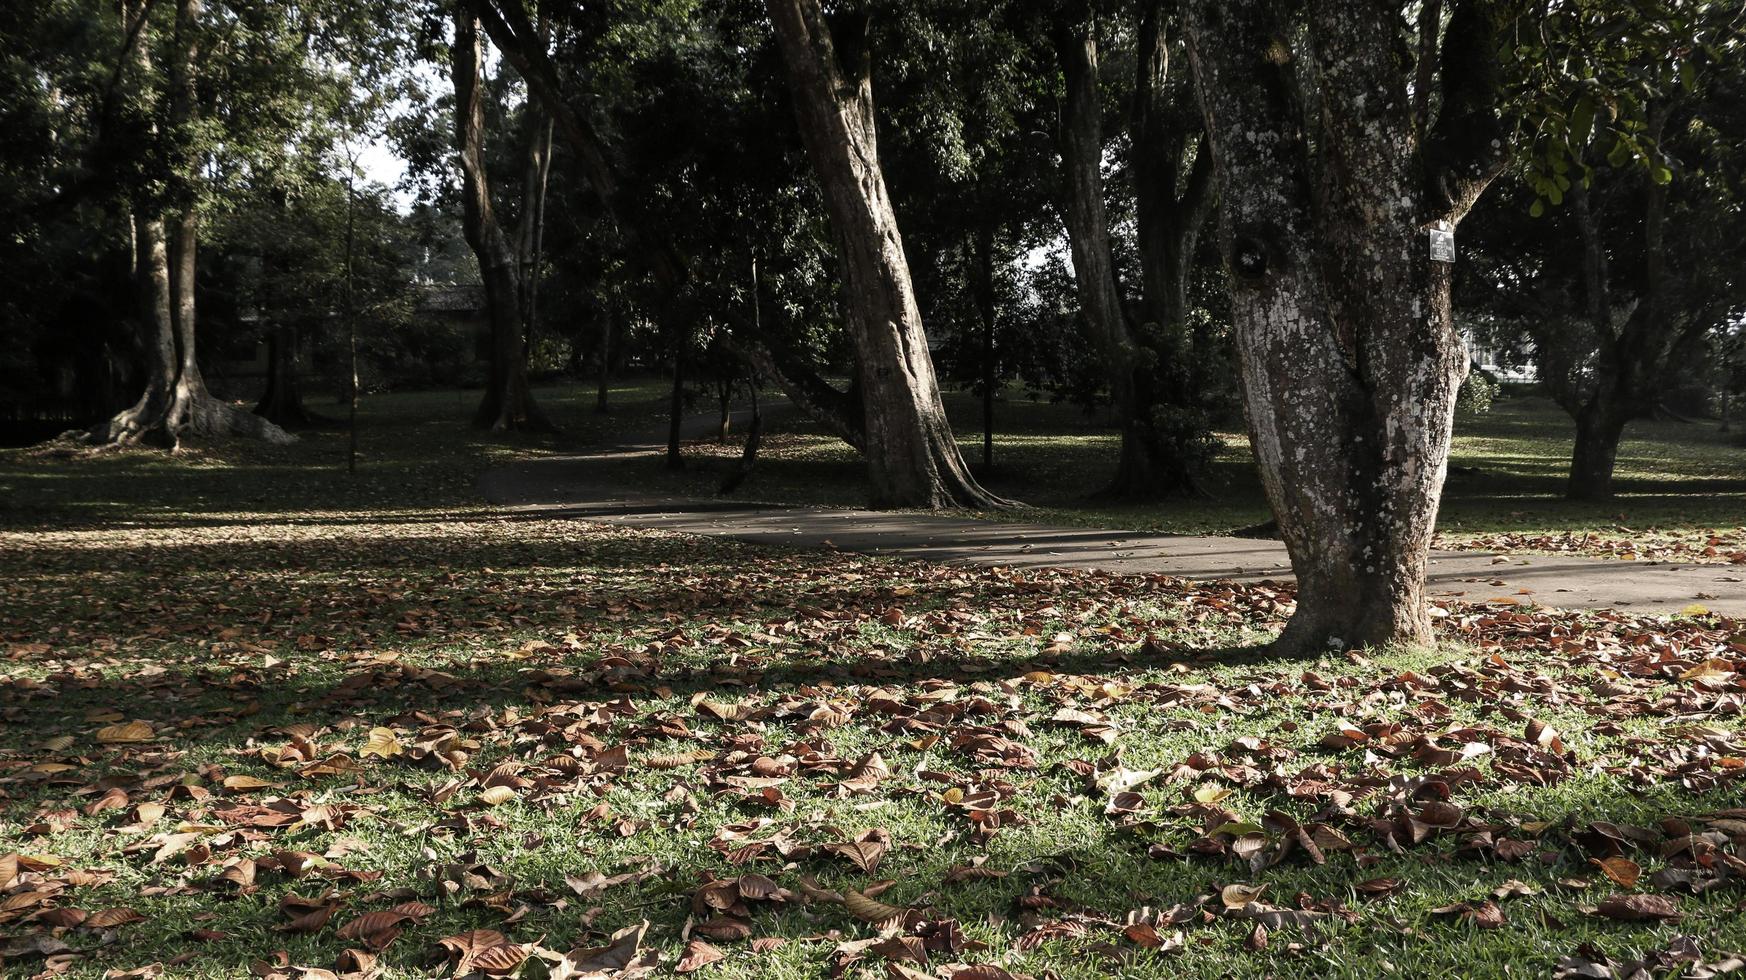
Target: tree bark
{"points": [[1350, 359], [603, 384], [282, 402], [676, 409], [1145, 361], [1598, 432], [175, 404], [508, 404], [913, 459], [986, 309], [1631, 361], [1100, 299]]}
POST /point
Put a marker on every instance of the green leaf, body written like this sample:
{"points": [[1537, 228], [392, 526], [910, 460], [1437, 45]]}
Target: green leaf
{"points": [[1581, 121], [1538, 208]]}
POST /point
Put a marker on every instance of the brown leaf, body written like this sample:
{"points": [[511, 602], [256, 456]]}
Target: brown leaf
{"points": [[1621, 870], [1640, 908], [868, 909], [1237, 896], [624, 949], [133, 731], [698, 954], [865, 851], [725, 928], [111, 919], [1379, 887], [375, 929]]}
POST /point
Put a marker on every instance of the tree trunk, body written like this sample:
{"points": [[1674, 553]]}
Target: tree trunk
{"points": [[913, 459], [1142, 362], [1632, 360], [724, 395], [175, 404], [676, 410], [282, 402], [603, 385], [1598, 432], [508, 404], [836, 411], [1100, 300], [1350, 359], [530, 231], [986, 309]]}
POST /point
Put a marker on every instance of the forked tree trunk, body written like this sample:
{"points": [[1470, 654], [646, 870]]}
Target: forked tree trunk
{"points": [[508, 404], [912, 457], [1350, 359], [175, 404], [1632, 362], [1145, 360]]}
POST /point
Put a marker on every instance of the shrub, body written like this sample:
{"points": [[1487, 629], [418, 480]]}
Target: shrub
{"points": [[1476, 394]]}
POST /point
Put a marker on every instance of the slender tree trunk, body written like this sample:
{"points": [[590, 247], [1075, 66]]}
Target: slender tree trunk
{"points": [[508, 404], [1350, 359], [604, 384], [176, 404], [985, 307], [351, 301], [531, 229], [1144, 362], [676, 409], [913, 459], [724, 394]]}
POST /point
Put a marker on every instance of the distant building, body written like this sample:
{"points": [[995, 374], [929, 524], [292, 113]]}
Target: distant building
{"points": [[462, 306], [1493, 362]]}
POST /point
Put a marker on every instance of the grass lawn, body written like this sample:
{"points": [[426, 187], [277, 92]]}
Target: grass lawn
{"points": [[1681, 488], [259, 716]]}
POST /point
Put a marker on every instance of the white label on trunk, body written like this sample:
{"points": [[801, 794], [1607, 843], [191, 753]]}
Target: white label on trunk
{"points": [[1442, 245]]}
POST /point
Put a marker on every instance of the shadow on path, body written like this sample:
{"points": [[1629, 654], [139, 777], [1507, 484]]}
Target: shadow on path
{"points": [[591, 487]]}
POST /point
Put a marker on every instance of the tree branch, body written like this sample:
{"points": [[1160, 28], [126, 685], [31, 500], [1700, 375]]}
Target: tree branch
{"points": [[1466, 147]]}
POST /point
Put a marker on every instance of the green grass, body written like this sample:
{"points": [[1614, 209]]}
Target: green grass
{"points": [[1676, 482], [235, 595]]}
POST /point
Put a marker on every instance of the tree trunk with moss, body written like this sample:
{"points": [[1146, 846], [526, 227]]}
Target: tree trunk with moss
{"points": [[1350, 358]]}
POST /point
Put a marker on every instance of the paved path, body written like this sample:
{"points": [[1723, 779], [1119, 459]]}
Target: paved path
{"points": [[572, 486]]}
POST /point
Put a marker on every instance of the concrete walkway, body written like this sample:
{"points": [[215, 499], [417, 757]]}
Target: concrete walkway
{"points": [[572, 486]]}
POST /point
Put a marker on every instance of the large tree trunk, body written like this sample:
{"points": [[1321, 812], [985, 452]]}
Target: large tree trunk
{"points": [[1632, 360], [1597, 448], [913, 459], [1145, 362], [530, 231], [1350, 359], [1100, 299], [175, 404], [508, 404], [282, 402]]}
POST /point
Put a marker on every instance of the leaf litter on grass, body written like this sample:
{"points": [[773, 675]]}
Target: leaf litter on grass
{"points": [[365, 748]]}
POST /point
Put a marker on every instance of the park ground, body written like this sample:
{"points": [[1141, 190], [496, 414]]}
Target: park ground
{"points": [[260, 715]]}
